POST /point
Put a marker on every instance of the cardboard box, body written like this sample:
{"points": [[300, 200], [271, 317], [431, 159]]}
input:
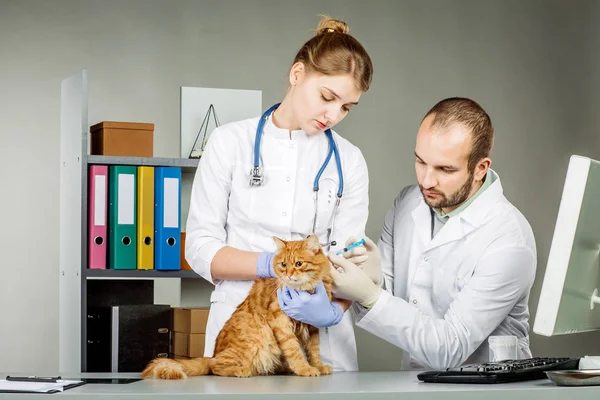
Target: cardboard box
{"points": [[190, 320], [184, 263], [188, 344], [129, 139]]}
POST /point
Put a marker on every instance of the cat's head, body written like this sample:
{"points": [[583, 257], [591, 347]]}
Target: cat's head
{"points": [[300, 264]]}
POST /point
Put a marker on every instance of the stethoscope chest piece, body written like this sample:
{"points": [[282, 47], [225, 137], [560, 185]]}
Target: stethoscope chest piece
{"points": [[256, 177]]}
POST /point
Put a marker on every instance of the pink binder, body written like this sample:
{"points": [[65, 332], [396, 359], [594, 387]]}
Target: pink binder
{"points": [[98, 216]]}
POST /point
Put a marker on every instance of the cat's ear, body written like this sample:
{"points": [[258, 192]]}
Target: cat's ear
{"points": [[312, 243], [279, 243]]}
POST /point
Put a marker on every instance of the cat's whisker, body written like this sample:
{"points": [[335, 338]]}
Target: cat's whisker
{"points": [[280, 284]]}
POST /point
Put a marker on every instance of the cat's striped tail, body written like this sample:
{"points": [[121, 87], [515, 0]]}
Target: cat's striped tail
{"points": [[165, 368], [197, 366]]}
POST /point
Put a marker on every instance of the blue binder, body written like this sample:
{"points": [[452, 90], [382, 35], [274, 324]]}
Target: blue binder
{"points": [[167, 218]]}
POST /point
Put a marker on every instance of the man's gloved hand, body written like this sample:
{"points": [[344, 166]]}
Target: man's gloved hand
{"points": [[372, 266], [313, 309], [357, 255], [353, 283], [264, 265]]}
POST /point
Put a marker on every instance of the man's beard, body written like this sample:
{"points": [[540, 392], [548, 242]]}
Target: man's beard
{"points": [[453, 200]]}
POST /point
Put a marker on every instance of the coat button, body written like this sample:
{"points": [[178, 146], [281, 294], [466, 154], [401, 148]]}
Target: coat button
{"points": [[415, 301], [284, 213]]}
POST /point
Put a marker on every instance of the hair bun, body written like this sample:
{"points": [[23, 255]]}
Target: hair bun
{"points": [[328, 25]]}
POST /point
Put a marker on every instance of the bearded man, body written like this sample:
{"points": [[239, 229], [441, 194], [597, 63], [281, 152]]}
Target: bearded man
{"points": [[455, 261]]}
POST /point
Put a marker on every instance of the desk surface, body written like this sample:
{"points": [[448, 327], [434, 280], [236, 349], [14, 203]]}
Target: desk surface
{"points": [[341, 385]]}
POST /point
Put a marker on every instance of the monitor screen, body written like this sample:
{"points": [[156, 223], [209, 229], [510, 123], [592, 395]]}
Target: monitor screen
{"points": [[567, 303]]}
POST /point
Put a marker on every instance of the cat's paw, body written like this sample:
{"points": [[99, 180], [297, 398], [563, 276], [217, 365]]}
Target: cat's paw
{"points": [[308, 371], [325, 369], [164, 368]]}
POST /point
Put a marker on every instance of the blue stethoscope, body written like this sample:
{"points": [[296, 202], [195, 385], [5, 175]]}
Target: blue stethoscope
{"points": [[257, 177]]}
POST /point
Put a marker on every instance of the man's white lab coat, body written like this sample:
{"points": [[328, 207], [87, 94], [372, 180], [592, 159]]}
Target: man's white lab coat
{"points": [[446, 296]]}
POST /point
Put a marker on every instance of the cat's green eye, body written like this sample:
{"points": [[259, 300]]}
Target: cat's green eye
{"points": [[298, 263], [283, 264]]}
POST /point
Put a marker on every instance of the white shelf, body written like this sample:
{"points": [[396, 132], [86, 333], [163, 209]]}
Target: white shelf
{"points": [[186, 164]]}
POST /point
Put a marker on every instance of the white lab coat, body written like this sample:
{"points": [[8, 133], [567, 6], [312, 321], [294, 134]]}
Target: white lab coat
{"points": [[446, 296], [226, 210]]}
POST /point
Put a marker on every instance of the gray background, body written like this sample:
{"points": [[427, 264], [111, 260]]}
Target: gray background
{"points": [[532, 64]]}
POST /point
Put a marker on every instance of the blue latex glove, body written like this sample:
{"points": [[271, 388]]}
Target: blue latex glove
{"points": [[264, 265], [313, 309]]}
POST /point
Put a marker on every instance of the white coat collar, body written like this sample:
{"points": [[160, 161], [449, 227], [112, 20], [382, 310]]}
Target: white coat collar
{"points": [[457, 227], [280, 133], [480, 210]]}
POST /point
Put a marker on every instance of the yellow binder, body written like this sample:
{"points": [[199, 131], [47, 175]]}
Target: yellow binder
{"points": [[145, 221]]}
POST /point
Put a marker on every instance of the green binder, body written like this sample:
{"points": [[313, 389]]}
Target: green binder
{"points": [[122, 214]]}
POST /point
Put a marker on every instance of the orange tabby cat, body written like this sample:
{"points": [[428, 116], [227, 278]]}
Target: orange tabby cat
{"points": [[259, 338]]}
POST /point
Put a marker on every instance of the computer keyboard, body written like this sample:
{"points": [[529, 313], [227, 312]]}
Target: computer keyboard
{"points": [[501, 371]]}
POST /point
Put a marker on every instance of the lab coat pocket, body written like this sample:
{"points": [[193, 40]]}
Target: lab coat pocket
{"points": [[269, 201], [242, 195], [450, 277], [463, 277], [456, 275]]}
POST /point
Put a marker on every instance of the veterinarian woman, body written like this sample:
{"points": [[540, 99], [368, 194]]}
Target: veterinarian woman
{"points": [[285, 174]]}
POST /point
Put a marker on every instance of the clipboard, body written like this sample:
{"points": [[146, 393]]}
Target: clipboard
{"points": [[37, 384]]}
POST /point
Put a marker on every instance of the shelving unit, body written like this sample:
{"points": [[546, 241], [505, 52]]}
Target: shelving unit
{"points": [[73, 271]]}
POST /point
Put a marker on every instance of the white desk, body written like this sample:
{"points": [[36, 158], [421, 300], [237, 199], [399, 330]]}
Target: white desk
{"points": [[342, 385]]}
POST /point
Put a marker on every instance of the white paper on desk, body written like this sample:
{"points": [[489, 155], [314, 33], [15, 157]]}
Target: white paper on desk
{"points": [[40, 387]]}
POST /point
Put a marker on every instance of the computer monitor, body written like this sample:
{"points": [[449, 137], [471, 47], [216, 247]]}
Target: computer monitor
{"points": [[570, 297]]}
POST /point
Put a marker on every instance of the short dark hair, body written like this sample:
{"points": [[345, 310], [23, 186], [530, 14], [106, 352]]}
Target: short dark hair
{"points": [[464, 111]]}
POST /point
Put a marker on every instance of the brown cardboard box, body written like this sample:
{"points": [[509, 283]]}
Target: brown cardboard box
{"points": [[188, 344], [190, 320], [184, 263], [129, 139]]}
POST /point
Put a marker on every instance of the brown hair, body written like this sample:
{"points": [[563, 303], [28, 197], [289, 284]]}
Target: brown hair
{"points": [[333, 51], [460, 110]]}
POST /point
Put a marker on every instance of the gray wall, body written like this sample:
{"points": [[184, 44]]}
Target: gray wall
{"points": [[531, 64]]}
